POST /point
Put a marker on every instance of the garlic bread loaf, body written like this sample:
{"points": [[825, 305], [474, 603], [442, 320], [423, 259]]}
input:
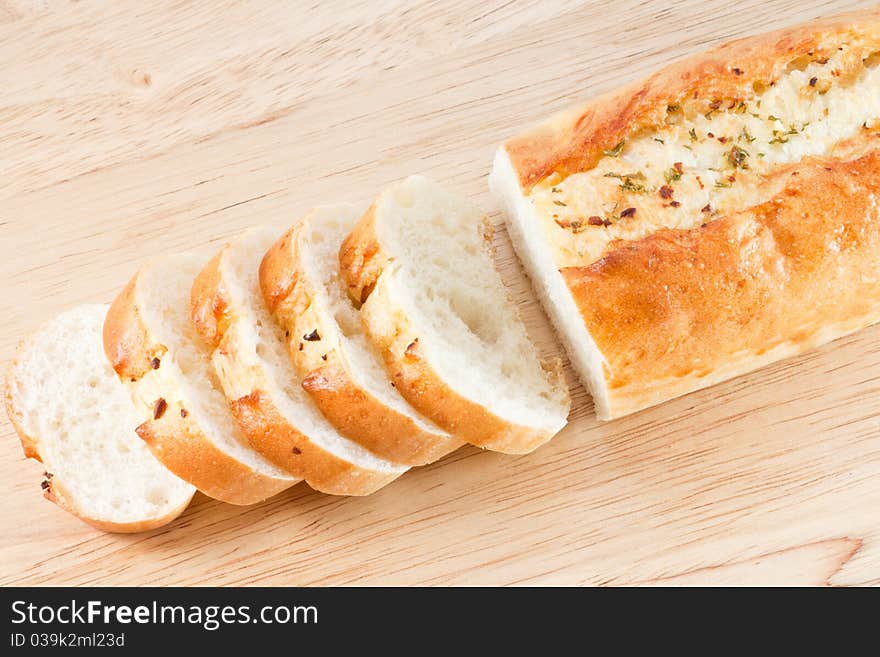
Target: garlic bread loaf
{"points": [[264, 390], [74, 415], [712, 218], [420, 263], [341, 370], [185, 420]]}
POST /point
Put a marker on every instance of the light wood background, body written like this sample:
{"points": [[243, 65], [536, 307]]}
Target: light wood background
{"points": [[129, 128]]}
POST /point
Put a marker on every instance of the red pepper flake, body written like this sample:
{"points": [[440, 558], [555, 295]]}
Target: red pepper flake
{"points": [[737, 70], [159, 408], [813, 81], [723, 140], [710, 135], [44, 484], [699, 182], [296, 450], [731, 178], [703, 225], [666, 191], [312, 337], [678, 166], [300, 346], [629, 212], [183, 412], [707, 208], [324, 357], [674, 204], [596, 221], [287, 334], [715, 104], [155, 363]]}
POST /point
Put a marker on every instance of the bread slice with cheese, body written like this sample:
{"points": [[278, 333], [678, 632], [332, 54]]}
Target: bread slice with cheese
{"points": [[420, 262], [72, 414], [185, 420], [342, 371], [250, 357], [711, 218]]}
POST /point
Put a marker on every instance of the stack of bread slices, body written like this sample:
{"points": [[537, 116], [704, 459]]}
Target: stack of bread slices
{"points": [[342, 352]]}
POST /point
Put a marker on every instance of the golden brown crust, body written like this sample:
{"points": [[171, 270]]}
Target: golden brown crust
{"points": [[175, 438], [126, 339], [361, 258], [283, 444], [327, 375], [425, 390], [209, 303], [380, 429], [681, 309], [265, 427], [277, 278], [574, 140], [182, 447]]}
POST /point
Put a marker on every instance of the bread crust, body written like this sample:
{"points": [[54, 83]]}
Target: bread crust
{"points": [[682, 309], [327, 373], [361, 258], [177, 441], [574, 140], [362, 261], [259, 418]]}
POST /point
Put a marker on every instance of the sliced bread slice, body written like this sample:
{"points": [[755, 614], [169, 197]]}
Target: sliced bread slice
{"points": [[73, 414], [152, 344], [342, 371], [251, 361], [421, 263]]}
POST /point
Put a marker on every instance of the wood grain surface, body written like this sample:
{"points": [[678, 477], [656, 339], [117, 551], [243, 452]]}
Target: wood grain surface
{"points": [[130, 128]]}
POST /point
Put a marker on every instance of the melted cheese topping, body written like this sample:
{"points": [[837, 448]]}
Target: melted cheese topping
{"points": [[699, 166]]}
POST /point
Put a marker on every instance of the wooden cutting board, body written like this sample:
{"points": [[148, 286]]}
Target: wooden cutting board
{"points": [[131, 128]]}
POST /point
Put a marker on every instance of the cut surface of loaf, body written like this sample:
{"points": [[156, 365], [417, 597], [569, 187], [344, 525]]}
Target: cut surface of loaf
{"points": [[342, 371], [421, 262], [73, 414], [263, 388], [152, 345], [620, 209]]}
